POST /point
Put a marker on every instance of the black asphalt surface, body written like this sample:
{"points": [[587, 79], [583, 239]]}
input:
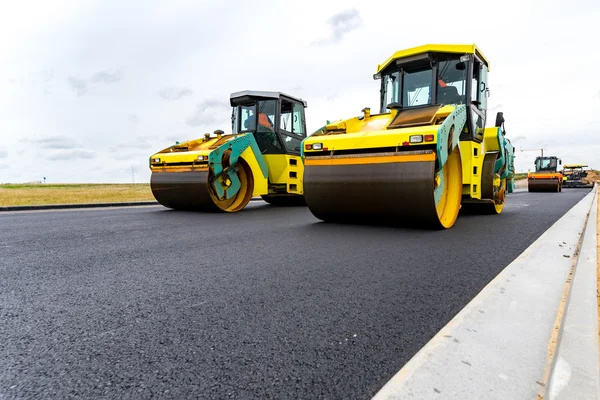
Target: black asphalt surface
{"points": [[146, 302]]}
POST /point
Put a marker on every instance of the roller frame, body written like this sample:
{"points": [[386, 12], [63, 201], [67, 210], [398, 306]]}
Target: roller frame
{"points": [[221, 174], [450, 129]]}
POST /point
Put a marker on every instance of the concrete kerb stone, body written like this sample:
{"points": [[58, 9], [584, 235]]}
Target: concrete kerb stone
{"points": [[497, 347], [86, 205], [575, 373]]}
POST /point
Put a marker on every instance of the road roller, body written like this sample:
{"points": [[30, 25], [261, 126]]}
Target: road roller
{"points": [[223, 172], [424, 155], [574, 176], [546, 177]]}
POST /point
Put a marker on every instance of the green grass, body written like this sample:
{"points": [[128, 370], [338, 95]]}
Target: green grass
{"points": [[41, 194], [520, 175]]}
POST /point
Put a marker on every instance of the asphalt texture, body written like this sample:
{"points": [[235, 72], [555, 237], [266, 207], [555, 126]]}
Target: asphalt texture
{"points": [[146, 302]]}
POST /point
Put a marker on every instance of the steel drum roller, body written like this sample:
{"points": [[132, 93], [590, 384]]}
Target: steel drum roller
{"points": [[182, 190], [543, 185], [398, 193]]}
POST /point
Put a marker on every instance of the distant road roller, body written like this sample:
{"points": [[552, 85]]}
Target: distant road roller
{"points": [[261, 157], [546, 177], [426, 153]]}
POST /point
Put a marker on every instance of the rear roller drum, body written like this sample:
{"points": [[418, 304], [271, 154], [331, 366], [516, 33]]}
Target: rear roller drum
{"points": [[492, 188]]}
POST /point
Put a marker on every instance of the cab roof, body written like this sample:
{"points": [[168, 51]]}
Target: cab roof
{"points": [[435, 48], [262, 94]]}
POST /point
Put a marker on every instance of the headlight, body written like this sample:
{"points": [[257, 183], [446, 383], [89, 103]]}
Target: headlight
{"points": [[416, 139], [156, 160], [317, 146], [202, 158]]}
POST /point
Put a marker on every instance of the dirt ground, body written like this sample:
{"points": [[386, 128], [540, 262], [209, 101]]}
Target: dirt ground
{"points": [[593, 176]]}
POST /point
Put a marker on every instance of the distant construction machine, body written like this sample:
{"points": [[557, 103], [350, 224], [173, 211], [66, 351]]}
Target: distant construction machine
{"points": [[574, 175], [546, 177], [261, 157], [426, 153]]}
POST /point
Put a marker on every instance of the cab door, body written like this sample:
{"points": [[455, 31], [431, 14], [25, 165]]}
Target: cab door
{"points": [[292, 126]]}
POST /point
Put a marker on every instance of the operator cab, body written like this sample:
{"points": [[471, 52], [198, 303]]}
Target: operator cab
{"points": [[547, 164], [424, 81], [275, 119]]}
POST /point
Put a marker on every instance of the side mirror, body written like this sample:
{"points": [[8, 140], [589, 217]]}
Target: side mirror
{"points": [[499, 119], [559, 162], [461, 66]]}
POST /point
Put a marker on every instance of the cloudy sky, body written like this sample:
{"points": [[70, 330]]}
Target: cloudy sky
{"points": [[91, 88]]}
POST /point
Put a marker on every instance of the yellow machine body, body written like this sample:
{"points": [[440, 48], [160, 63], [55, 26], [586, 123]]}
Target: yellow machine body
{"points": [[261, 157], [414, 163]]}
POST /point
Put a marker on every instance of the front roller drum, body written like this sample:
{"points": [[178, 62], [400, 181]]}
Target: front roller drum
{"points": [[544, 185], [191, 191], [398, 193]]}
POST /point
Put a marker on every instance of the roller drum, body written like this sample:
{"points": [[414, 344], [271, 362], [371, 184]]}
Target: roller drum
{"points": [[398, 193], [183, 190], [543, 185]]}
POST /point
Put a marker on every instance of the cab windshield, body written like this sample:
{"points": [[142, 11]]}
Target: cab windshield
{"points": [[416, 85], [259, 119], [244, 118], [545, 164]]}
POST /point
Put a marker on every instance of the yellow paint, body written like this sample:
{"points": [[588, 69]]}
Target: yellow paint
{"points": [[498, 207], [174, 168], [261, 184], [177, 157], [443, 48], [370, 159], [281, 171], [242, 197], [490, 139], [574, 166], [472, 164], [372, 132], [449, 204]]}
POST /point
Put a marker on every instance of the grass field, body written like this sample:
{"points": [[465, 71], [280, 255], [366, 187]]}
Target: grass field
{"points": [[520, 175], [38, 194]]}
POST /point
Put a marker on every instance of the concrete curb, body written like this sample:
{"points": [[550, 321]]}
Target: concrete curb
{"points": [[575, 372], [86, 205], [502, 344]]}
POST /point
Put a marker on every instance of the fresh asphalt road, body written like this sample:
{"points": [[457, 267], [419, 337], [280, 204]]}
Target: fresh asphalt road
{"points": [[267, 303]]}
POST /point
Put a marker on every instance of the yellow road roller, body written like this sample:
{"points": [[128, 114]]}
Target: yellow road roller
{"points": [[426, 154], [221, 173]]}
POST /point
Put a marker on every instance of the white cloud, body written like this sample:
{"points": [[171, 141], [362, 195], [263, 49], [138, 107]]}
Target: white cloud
{"points": [[94, 71], [208, 112], [340, 24], [174, 93], [70, 154]]}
